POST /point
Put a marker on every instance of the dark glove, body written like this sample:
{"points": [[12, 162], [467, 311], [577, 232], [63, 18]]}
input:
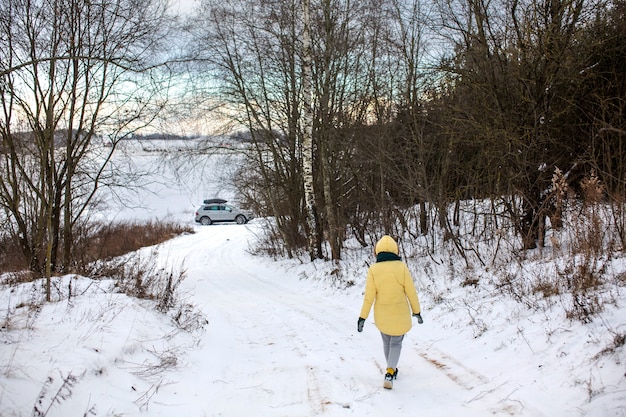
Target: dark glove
{"points": [[360, 324], [419, 318]]}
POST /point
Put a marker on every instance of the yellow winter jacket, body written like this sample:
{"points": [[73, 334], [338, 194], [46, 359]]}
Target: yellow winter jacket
{"points": [[390, 288]]}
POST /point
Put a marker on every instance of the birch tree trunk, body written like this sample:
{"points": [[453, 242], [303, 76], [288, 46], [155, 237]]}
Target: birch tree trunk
{"points": [[307, 134]]}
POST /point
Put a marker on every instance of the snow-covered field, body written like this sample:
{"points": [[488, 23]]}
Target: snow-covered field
{"points": [[281, 340]]}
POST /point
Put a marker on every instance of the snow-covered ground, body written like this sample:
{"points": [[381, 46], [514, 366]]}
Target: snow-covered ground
{"points": [[281, 340]]}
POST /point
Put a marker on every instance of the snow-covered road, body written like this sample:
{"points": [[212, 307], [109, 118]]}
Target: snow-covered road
{"points": [[283, 346]]}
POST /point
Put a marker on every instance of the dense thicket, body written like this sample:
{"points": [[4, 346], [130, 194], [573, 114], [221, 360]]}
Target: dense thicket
{"points": [[421, 105]]}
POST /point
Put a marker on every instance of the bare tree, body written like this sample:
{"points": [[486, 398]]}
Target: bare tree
{"points": [[412, 20], [253, 50], [76, 77], [291, 84], [307, 108], [514, 70]]}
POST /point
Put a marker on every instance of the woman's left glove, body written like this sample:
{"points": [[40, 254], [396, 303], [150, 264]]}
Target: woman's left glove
{"points": [[360, 324], [419, 318]]}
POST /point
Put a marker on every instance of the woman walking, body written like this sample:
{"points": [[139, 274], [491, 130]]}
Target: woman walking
{"points": [[390, 288]]}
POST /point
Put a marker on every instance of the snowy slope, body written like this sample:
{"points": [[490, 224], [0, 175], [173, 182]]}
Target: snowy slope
{"points": [[285, 346]]}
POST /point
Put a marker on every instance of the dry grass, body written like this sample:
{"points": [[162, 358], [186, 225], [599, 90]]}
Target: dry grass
{"points": [[95, 242], [113, 240], [583, 250]]}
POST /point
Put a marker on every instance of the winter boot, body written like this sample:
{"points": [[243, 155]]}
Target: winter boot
{"points": [[389, 377]]}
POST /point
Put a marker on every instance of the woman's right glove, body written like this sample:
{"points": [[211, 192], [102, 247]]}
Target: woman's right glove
{"points": [[360, 324], [419, 318]]}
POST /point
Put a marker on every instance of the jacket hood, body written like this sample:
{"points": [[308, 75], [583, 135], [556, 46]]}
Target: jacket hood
{"points": [[386, 244]]}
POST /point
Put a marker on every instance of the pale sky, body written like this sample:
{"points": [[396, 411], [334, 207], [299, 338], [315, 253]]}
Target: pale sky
{"points": [[184, 6]]}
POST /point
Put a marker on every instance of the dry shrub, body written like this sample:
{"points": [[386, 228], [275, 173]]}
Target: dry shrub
{"points": [[583, 254], [134, 275], [584, 282], [11, 257], [584, 307], [46, 399], [470, 282], [516, 286], [619, 340], [546, 288], [590, 251], [559, 193], [189, 318], [112, 240], [270, 243], [18, 277], [97, 241], [141, 276], [590, 226]]}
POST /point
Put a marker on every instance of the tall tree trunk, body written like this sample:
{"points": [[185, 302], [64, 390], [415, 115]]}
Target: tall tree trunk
{"points": [[329, 202], [307, 134], [49, 163]]}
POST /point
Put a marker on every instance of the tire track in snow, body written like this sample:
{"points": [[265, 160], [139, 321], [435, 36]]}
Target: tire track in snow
{"points": [[473, 381], [236, 286], [299, 309], [453, 369]]}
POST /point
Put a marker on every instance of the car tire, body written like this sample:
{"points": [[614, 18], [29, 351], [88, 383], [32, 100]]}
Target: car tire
{"points": [[206, 221], [240, 219]]}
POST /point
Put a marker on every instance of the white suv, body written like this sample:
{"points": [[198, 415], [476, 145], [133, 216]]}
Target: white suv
{"points": [[216, 210]]}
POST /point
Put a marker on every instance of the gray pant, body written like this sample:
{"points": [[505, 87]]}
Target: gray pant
{"points": [[392, 346]]}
